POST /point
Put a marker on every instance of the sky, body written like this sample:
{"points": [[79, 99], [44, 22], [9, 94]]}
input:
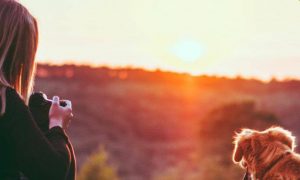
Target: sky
{"points": [[250, 38]]}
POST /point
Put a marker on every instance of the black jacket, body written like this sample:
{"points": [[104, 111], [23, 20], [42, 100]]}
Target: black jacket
{"points": [[25, 148]]}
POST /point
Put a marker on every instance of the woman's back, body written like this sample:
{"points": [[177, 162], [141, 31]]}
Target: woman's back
{"points": [[8, 166]]}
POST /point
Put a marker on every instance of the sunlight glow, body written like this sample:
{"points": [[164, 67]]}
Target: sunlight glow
{"points": [[188, 50], [230, 38]]}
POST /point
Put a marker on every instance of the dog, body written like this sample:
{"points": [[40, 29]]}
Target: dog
{"points": [[267, 155]]}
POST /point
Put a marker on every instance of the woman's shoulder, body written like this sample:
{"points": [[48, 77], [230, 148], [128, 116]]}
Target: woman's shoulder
{"points": [[9, 97], [10, 94], [7, 89]]}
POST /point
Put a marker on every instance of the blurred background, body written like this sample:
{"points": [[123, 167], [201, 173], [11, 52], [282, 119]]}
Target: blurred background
{"points": [[160, 86]]}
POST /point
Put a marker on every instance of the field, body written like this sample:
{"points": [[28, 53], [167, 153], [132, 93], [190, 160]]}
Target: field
{"points": [[164, 125]]}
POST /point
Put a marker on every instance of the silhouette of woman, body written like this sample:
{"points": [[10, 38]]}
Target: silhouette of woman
{"points": [[25, 151]]}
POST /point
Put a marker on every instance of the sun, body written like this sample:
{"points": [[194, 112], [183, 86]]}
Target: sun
{"points": [[188, 50]]}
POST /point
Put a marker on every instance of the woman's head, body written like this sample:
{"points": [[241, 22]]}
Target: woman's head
{"points": [[18, 45]]}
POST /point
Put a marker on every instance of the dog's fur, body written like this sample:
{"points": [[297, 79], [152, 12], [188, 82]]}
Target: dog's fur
{"points": [[268, 154]]}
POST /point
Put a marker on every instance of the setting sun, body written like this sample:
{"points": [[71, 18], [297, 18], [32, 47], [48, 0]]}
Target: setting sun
{"points": [[188, 50]]}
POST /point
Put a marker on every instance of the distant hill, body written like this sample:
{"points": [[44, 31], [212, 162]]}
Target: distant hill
{"points": [[150, 121]]}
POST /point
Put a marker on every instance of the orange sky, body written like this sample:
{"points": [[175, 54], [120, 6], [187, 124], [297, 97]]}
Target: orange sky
{"points": [[231, 37]]}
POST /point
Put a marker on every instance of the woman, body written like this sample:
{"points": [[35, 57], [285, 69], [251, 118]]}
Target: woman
{"points": [[25, 151]]}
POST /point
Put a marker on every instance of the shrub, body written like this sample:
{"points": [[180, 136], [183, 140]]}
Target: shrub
{"points": [[98, 168]]}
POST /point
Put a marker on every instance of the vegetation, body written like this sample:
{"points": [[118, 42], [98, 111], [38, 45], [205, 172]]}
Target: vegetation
{"points": [[160, 125], [97, 168]]}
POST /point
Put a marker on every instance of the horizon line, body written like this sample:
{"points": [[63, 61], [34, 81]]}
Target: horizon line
{"points": [[132, 67]]}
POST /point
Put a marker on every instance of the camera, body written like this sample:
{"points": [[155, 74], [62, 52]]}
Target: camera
{"points": [[39, 106]]}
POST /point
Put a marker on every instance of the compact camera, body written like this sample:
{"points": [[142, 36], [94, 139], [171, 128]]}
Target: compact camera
{"points": [[39, 105]]}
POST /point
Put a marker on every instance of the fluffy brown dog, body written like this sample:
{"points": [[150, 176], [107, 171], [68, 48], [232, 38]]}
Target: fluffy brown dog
{"points": [[268, 154]]}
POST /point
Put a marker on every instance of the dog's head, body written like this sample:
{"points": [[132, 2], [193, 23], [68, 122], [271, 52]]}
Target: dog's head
{"points": [[252, 145]]}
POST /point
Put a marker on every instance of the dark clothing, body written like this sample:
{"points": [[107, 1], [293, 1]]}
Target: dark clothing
{"points": [[71, 175], [25, 149]]}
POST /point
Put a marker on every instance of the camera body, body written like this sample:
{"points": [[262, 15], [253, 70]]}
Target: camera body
{"points": [[39, 105]]}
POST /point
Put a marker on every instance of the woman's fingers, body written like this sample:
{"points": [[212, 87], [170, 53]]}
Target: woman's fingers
{"points": [[68, 107], [55, 101], [63, 113], [68, 104]]}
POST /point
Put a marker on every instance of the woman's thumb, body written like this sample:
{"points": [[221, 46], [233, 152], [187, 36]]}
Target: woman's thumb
{"points": [[55, 100]]}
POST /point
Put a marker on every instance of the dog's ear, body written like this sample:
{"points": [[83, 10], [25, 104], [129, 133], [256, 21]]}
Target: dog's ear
{"points": [[237, 153], [283, 136], [242, 148], [241, 142]]}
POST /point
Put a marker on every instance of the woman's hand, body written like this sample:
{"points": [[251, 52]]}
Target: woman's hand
{"points": [[59, 115]]}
